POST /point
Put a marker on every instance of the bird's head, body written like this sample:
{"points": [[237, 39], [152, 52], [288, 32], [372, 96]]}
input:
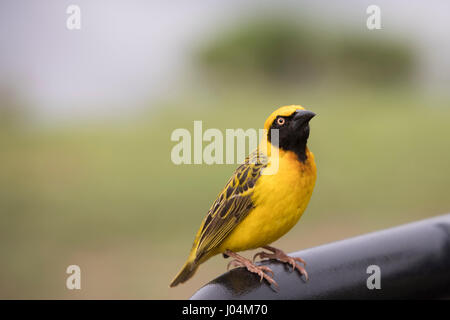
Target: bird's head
{"points": [[292, 123]]}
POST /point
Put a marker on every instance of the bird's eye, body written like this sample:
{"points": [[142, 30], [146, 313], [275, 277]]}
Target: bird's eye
{"points": [[281, 121]]}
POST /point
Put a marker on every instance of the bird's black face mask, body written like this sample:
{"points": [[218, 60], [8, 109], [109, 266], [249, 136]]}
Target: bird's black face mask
{"points": [[293, 132]]}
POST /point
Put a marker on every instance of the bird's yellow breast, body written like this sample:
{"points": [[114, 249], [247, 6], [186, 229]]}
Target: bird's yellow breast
{"points": [[280, 200]]}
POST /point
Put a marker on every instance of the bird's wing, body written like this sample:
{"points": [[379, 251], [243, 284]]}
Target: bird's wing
{"points": [[232, 205]]}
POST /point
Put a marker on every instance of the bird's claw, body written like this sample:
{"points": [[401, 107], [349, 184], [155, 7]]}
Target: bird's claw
{"points": [[282, 257], [259, 270], [266, 269], [259, 254]]}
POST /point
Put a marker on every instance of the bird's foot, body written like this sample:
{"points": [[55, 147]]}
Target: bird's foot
{"points": [[240, 261], [279, 255]]}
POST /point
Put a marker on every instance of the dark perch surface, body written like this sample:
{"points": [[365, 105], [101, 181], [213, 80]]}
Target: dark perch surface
{"points": [[414, 260]]}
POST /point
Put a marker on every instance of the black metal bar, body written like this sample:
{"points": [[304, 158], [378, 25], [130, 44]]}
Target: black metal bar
{"points": [[414, 260]]}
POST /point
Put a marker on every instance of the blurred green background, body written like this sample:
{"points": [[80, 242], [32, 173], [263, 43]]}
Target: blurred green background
{"points": [[100, 191]]}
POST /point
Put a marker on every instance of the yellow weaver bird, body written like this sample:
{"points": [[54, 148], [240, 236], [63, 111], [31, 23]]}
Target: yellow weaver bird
{"points": [[255, 209]]}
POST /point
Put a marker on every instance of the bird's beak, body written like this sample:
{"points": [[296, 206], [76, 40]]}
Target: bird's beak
{"points": [[302, 117]]}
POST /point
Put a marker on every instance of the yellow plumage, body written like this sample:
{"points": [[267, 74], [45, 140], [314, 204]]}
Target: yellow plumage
{"points": [[280, 201], [254, 209]]}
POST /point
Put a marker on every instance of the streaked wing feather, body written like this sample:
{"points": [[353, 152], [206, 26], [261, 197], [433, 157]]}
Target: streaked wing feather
{"points": [[232, 205]]}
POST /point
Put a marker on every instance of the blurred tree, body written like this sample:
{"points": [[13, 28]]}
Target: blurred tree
{"points": [[284, 50], [374, 59], [271, 48]]}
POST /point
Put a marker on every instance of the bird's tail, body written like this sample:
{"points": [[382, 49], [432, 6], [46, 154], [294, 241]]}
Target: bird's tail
{"points": [[186, 273]]}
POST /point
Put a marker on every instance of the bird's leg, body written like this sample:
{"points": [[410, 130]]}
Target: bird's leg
{"points": [[279, 255], [243, 262]]}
